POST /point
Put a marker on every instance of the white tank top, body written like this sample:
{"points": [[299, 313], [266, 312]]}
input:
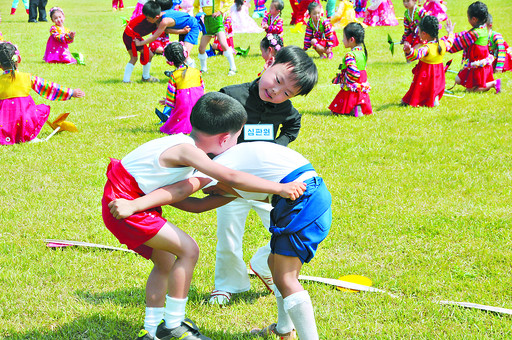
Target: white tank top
{"points": [[142, 163]]}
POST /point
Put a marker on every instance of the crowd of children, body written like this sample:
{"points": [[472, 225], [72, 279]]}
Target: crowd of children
{"points": [[163, 171]]}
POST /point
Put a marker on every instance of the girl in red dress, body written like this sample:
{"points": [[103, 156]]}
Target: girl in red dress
{"points": [[353, 97], [477, 72], [428, 84]]}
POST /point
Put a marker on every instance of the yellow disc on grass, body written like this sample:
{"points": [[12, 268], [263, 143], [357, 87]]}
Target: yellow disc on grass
{"points": [[361, 280]]}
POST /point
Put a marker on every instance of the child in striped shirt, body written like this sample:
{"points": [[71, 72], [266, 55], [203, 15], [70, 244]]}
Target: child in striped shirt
{"points": [[499, 48], [319, 33], [272, 22], [21, 119]]}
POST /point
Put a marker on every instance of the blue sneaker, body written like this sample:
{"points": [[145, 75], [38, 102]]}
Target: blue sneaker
{"points": [[188, 330]]}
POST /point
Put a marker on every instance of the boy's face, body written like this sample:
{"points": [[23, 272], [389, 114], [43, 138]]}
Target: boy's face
{"points": [[277, 84], [153, 20]]}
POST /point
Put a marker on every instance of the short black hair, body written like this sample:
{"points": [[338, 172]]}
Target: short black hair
{"points": [[216, 112], [478, 10], [164, 4], [151, 9], [303, 68], [312, 6]]}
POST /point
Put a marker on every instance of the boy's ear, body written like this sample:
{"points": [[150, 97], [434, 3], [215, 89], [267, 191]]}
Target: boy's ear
{"points": [[223, 138]]}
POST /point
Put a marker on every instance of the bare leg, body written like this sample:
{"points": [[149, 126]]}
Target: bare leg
{"points": [[285, 271], [174, 275]]}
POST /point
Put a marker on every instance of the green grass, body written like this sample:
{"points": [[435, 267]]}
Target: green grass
{"points": [[421, 198]]}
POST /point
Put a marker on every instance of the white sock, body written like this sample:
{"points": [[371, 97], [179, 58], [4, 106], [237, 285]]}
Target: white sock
{"points": [[284, 323], [202, 59], [300, 309], [174, 311], [128, 72], [229, 54], [153, 317], [145, 71]]}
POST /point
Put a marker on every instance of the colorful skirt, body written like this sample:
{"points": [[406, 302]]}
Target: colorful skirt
{"points": [[179, 119], [473, 75], [384, 15], [346, 100], [58, 52], [428, 83], [436, 9], [21, 119]]}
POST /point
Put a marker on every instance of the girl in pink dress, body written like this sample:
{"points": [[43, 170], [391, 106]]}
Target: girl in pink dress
{"points": [[380, 13], [436, 8], [241, 20], [21, 119], [57, 49], [185, 87]]}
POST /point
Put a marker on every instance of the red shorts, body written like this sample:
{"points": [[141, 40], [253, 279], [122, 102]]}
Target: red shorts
{"points": [[137, 229]]}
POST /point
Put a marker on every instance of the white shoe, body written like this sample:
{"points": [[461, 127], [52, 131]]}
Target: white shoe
{"points": [[231, 73], [219, 297]]}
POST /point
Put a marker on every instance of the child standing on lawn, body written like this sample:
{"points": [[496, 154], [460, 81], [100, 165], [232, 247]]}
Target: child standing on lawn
{"points": [[429, 82], [214, 25], [477, 73], [319, 33], [353, 97], [185, 87], [217, 121], [21, 119], [297, 228], [412, 17], [380, 13], [57, 49], [272, 22], [14, 5], [499, 48], [271, 117]]}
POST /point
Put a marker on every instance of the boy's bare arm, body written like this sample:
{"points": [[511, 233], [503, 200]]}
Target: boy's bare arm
{"points": [[164, 23], [199, 205], [187, 154], [183, 30], [123, 208]]}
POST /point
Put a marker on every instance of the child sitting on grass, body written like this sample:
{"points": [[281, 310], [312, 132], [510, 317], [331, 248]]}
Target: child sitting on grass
{"points": [[217, 121], [319, 33], [57, 49]]}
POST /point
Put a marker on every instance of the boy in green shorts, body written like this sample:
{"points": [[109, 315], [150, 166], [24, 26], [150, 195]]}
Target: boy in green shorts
{"points": [[214, 24]]}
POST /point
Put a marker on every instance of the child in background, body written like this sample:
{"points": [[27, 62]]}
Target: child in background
{"points": [[436, 8], [477, 73], [269, 108], [429, 83], [36, 7], [380, 13], [171, 21], [241, 20], [259, 9], [319, 33], [213, 21], [217, 121], [185, 87], [117, 5], [499, 48], [344, 14], [21, 119], [360, 8], [138, 8], [412, 17], [269, 46], [228, 28], [272, 22], [300, 11], [14, 6], [353, 97], [57, 49]]}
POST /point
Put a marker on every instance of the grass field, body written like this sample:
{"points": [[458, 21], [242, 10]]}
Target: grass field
{"points": [[421, 197]]}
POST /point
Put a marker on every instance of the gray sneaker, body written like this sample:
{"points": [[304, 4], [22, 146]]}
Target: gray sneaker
{"points": [[186, 331]]}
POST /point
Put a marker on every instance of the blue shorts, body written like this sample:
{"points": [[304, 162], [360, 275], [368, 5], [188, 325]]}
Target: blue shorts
{"points": [[299, 226]]}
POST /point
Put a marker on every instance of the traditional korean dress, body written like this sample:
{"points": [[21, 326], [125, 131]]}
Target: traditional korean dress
{"points": [[184, 88], [275, 24], [380, 13], [436, 8], [429, 75], [241, 20], [57, 49], [502, 53], [354, 84], [411, 23], [477, 64], [21, 119], [322, 32]]}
